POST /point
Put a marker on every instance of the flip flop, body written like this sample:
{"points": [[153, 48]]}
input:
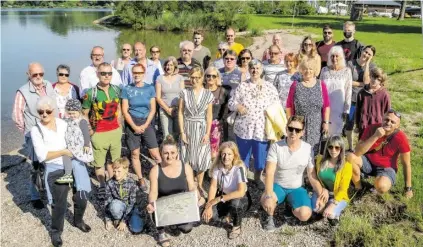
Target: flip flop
{"points": [[235, 232]]}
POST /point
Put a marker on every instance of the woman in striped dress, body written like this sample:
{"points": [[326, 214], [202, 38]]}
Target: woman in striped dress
{"points": [[195, 119]]}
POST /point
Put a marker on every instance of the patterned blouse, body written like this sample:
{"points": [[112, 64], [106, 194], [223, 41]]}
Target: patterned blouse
{"points": [[255, 99], [283, 82]]}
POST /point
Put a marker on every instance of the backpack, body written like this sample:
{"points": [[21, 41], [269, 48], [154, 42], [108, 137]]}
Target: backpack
{"points": [[91, 115]]}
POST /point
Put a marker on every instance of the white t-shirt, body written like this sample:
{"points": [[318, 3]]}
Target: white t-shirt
{"points": [[231, 179], [290, 165], [49, 141], [88, 78]]}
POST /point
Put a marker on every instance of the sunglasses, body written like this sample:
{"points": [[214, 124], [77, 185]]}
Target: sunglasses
{"points": [[41, 112], [37, 74], [337, 148], [211, 76], [395, 113], [245, 58], [296, 130], [229, 58], [126, 49], [305, 44], [106, 73], [221, 49], [195, 78], [63, 74], [138, 73]]}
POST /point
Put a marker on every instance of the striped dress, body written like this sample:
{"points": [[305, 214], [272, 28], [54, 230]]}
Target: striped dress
{"points": [[198, 155]]}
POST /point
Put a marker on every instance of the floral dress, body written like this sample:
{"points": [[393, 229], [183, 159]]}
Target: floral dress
{"points": [[197, 154]]}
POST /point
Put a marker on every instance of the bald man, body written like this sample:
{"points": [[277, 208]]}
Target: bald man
{"points": [[88, 77], [25, 116], [120, 62], [230, 39], [151, 72]]}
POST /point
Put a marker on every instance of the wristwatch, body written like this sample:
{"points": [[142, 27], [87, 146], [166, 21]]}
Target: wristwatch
{"points": [[267, 197], [408, 188], [221, 199]]}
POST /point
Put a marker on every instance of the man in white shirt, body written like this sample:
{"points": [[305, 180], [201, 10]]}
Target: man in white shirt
{"points": [[88, 77], [286, 162]]}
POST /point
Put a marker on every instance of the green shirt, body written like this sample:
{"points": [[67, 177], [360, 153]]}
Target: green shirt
{"points": [[104, 111], [328, 177]]}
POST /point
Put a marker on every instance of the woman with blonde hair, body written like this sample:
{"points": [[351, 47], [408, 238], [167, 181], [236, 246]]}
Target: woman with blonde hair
{"points": [[220, 102], [227, 193], [195, 120], [334, 174], [308, 51], [338, 79], [168, 87]]}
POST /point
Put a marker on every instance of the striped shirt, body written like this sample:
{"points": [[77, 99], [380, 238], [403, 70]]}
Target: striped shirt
{"points": [[184, 69], [19, 108], [271, 70]]}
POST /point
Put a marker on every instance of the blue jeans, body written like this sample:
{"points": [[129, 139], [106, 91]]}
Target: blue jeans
{"points": [[337, 210], [257, 148], [116, 209]]}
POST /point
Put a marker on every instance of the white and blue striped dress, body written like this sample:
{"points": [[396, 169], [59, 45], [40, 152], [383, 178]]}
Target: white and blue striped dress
{"points": [[198, 155]]}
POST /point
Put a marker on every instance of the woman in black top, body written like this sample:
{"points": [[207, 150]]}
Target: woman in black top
{"points": [[168, 178], [221, 98]]}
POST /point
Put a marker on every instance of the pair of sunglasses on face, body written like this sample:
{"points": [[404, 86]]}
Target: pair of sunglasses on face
{"points": [[41, 112]]}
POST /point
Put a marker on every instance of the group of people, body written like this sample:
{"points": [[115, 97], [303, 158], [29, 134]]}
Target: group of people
{"points": [[284, 115]]}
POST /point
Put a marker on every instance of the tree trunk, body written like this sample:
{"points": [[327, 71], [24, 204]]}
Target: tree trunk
{"points": [[402, 11]]}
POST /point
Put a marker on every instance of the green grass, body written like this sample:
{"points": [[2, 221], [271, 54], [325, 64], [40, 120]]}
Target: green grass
{"points": [[390, 220]]}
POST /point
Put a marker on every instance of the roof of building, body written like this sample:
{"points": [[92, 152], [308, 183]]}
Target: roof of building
{"points": [[379, 3]]}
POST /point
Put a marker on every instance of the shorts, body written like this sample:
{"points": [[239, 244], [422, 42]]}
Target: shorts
{"points": [[103, 142], [296, 197], [375, 171], [148, 137], [349, 124]]}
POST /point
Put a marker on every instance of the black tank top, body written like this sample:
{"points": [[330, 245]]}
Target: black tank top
{"points": [[169, 186]]}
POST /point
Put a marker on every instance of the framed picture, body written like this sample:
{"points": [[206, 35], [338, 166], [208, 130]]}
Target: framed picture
{"points": [[177, 209]]}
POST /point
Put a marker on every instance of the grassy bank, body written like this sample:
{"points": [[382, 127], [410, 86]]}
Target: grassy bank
{"points": [[390, 220]]}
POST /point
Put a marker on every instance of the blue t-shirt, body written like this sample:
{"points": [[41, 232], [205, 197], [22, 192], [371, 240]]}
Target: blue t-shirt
{"points": [[139, 99]]}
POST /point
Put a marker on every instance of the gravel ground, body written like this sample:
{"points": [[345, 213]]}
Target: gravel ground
{"points": [[24, 226]]}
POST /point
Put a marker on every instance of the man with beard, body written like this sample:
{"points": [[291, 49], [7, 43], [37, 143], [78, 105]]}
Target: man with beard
{"points": [[323, 46], [201, 53], [377, 152], [88, 77], [352, 47]]}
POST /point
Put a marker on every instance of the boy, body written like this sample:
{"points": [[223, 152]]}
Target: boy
{"points": [[121, 192]]}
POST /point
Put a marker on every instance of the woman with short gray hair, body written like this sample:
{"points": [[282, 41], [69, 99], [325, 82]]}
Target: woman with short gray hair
{"points": [[64, 89], [49, 141], [250, 99]]}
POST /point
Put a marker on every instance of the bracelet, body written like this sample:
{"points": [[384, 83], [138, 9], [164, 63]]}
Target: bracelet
{"points": [[326, 122]]}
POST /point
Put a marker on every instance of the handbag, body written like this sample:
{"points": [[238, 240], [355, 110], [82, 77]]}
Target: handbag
{"points": [[231, 118]]}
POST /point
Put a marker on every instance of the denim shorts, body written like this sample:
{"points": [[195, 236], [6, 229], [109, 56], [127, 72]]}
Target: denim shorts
{"points": [[296, 197], [375, 171]]}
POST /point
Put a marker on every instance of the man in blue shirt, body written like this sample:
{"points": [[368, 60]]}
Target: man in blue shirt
{"points": [[151, 73]]}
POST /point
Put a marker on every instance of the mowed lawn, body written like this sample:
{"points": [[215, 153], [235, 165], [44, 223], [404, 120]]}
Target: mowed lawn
{"points": [[390, 220]]}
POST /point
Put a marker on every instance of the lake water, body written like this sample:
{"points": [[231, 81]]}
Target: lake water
{"points": [[57, 36]]}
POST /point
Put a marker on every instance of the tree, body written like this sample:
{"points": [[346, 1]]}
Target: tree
{"points": [[402, 11]]}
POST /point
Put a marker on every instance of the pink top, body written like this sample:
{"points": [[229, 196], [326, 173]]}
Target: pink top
{"points": [[290, 101]]}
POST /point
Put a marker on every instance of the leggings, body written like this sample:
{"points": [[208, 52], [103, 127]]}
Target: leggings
{"points": [[235, 208]]}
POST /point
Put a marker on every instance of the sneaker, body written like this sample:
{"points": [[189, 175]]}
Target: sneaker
{"points": [[66, 179], [269, 225]]}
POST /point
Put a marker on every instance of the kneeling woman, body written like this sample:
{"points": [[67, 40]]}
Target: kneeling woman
{"points": [[170, 177], [334, 174], [228, 188]]}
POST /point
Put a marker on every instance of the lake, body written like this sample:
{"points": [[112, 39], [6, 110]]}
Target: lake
{"points": [[56, 36]]}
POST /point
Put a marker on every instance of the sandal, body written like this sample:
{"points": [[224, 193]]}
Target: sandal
{"points": [[235, 232], [164, 239]]}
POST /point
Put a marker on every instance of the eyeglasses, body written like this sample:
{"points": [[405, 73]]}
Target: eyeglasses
{"points": [[327, 32], [296, 130], [96, 55], [106, 73], [41, 112], [186, 50], [245, 58], [138, 73], [337, 148], [229, 58], [126, 49], [37, 74], [395, 113], [211, 76], [63, 74]]}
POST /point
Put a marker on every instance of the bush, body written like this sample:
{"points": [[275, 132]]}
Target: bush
{"points": [[254, 32]]}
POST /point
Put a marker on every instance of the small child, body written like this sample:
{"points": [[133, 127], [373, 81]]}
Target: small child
{"points": [[121, 192], [77, 139]]}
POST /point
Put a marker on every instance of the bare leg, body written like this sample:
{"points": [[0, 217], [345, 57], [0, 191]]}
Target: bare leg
{"points": [[109, 170], [155, 154], [357, 163], [136, 163], [99, 172], [349, 139], [200, 178]]}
